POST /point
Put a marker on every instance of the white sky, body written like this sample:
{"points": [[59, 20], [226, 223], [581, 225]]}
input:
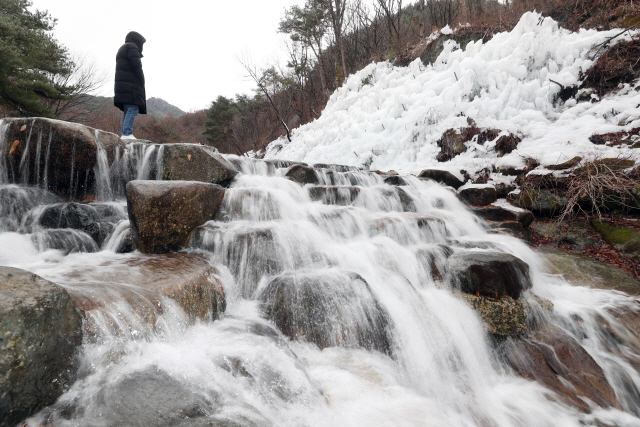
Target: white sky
{"points": [[192, 47]]}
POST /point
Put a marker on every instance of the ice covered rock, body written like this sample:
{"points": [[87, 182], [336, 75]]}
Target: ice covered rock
{"points": [[164, 213]]}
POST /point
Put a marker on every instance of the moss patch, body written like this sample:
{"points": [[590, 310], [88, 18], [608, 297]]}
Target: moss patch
{"points": [[624, 239]]}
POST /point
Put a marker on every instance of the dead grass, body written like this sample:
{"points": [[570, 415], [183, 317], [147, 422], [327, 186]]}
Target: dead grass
{"points": [[618, 65], [601, 185]]}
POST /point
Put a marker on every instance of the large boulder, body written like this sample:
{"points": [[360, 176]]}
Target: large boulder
{"points": [[60, 156], [39, 333], [442, 176], [492, 274], [163, 214], [478, 194], [143, 283], [192, 162], [327, 308]]}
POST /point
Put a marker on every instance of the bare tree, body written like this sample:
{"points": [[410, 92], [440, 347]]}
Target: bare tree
{"points": [[336, 13], [82, 80], [268, 80]]}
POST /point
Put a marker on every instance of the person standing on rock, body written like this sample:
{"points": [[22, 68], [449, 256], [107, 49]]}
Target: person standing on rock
{"points": [[130, 95]]}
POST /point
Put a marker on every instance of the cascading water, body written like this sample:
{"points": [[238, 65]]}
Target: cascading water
{"points": [[396, 346]]}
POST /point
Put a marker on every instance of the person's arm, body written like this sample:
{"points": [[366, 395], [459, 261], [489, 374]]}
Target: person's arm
{"points": [[136, 63]]}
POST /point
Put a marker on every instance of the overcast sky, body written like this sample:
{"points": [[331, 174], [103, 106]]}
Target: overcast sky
{"points": [[192, 47]]}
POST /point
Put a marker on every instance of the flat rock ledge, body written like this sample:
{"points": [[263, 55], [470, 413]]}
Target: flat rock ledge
{"points": [[40, 330], [191, 162], [164, 213]]}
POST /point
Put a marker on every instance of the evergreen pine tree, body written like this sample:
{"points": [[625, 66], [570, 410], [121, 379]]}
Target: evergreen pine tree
{"points": [[30, 58]]}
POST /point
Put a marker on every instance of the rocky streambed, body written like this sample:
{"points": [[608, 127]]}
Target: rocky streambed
{"points": [[170, 285]]}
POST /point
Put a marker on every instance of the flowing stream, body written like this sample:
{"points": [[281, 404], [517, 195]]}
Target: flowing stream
{"points": [[426, 361]]}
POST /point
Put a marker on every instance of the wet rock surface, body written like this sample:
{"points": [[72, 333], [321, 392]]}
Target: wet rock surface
{"points": [[302, 174], [492, 274], [478, 195], [499, 214], [60, 156], [97, 220], [556, 360], [143, 281], [328, 309], [191, 162], [511, 228], [163, 214], [444, 177], [582, 270], [40, 331], [341, 196]]}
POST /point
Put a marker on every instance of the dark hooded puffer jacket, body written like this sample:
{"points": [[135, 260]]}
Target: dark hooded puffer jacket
{"points": [[129, 87]]}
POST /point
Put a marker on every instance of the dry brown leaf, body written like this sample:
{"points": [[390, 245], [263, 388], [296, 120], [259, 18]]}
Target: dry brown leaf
{"points": [[14, 146], [189, 157], [23, 128]]}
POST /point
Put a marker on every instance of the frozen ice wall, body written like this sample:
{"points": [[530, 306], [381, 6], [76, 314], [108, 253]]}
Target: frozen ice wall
{"points": [[391, 117]]}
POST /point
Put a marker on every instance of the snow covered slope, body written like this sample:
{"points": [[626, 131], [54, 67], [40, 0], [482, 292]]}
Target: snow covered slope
{"points": [[391, 117]]}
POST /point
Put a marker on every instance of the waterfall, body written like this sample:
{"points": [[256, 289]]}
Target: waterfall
{"points": [[375, 333]]}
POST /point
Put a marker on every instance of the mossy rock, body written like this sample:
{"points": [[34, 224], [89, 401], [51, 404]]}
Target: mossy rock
{"points": [[624, 239], [543, 202], [504, 317]]}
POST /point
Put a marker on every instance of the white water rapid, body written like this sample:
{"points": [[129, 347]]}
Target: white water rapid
{"points": [[436, 367]]}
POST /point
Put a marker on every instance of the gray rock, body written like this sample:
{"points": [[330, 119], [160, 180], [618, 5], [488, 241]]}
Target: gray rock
{"points": [[191, 162], [163, 214], [39, 333], [492, 274]]}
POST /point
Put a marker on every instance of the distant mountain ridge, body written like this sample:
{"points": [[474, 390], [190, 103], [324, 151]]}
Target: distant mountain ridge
{"points": [[156, 107]]}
